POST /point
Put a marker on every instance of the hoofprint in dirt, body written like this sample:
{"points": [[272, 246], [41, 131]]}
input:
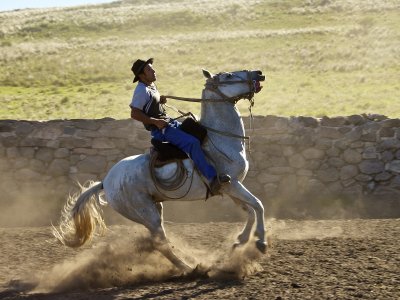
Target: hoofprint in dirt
{"points": [[308, 259]]}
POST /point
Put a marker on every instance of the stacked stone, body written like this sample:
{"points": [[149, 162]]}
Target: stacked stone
{"points": [[341, 156], [54, 155], [351, 156]]}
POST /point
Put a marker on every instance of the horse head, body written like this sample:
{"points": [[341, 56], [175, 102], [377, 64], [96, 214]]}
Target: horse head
{"points": [[233, 86]]}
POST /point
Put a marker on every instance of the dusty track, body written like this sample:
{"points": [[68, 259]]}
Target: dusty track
{"points": [[355, 259]]}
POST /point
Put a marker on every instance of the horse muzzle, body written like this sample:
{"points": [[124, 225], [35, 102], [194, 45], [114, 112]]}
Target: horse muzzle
{"points": [[257, 77], [257, 86]]}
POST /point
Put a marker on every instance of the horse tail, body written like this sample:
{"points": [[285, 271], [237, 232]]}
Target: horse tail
{"points": [[81, 216]]}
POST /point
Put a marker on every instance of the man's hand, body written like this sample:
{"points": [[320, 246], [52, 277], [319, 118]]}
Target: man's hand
{"points": [[160, 123], [163, 99], [140, 116]]}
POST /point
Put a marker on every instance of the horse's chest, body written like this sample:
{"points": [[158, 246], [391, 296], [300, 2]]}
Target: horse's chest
{"points": [[237, 165]]}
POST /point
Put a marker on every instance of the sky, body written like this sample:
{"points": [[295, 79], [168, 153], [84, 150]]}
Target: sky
{"points": [[21, 4]]}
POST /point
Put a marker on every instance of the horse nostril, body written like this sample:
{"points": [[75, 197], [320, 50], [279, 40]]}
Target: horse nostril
{"points": [[257, 86]]}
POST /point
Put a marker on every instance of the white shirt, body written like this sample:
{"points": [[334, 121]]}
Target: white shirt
{"points": [[143, 95]]}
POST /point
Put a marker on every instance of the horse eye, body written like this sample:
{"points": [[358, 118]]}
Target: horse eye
{"points": [[229, 75]]}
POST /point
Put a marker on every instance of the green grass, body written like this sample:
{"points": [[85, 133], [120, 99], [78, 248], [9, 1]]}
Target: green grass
{"points": [[320, 57]]}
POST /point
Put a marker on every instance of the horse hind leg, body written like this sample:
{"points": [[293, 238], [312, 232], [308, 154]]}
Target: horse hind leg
{"points": [[145, 211], [161, 243]]}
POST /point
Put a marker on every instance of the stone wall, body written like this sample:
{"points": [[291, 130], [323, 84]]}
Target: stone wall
{"points": [[299, 166]]}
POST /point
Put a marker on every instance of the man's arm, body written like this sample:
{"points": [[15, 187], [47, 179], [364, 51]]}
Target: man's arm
{"points": [[140, 116]]}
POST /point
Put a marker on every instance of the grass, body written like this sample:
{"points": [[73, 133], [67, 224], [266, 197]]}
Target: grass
{"points": [[320, 57]]}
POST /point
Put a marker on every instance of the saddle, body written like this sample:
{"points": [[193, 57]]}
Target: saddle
{"points": [[166, 152], [163, 153]]}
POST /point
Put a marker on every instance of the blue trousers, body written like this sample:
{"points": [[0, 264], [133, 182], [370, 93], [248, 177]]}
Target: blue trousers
{"points": [[188, 144]]}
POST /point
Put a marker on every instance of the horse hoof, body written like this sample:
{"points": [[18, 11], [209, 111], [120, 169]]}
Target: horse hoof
{"points": [[262, 246], [199, 272]]}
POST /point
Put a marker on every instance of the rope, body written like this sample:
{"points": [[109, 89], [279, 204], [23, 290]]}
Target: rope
{"points": [[182, 114], [193, 99], [180, 176], [251, 121]]}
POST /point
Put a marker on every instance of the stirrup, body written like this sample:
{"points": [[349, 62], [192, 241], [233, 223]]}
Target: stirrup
{"points": [[218, 182]]}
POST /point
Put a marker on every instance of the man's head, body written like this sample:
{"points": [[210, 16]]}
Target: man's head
{"points": [[144, 71]]}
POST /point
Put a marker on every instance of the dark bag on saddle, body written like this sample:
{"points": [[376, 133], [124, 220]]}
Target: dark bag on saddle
{"points": [[167, 151], [191, 126]]}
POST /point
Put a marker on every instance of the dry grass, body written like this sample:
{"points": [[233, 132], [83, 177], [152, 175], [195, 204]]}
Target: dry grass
{"points": [[320, 57]]}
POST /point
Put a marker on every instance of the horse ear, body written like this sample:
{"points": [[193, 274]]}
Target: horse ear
{"points": [[206, 73]]}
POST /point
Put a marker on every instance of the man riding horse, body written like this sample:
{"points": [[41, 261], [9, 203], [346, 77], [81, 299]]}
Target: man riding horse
{"points": [[146, 107], [128, 186]]}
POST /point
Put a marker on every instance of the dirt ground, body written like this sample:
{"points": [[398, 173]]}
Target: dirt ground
{"points": [[341, 259]]}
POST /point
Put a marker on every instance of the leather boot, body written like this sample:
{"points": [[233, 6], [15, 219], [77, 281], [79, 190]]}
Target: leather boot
{"points": [[217, 182]]}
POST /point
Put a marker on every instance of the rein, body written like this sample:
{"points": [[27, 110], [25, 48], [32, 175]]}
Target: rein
{"points": [[232, 100], [245, 137]]}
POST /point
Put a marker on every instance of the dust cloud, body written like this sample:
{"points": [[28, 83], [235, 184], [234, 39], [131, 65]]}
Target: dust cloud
{"points": [[125, 260], [313, 229], [218, 261], [117, 262], [40, 205], [239, 264], [35, 206]]}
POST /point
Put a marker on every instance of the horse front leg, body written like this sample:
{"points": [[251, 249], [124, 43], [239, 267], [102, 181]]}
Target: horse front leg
{"points": [[244, 236], [239, 192]]}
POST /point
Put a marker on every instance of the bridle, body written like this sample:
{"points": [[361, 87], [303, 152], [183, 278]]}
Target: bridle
{"points": [[212, 84]]}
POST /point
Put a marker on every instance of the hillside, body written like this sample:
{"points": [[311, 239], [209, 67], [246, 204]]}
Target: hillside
{"points": [[321, 57]]}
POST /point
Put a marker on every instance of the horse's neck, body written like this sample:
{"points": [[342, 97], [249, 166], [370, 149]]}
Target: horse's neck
{"points": [[224, 117], [228, 153]]}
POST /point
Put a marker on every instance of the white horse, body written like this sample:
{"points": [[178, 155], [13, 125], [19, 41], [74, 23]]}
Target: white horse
{"points": [[129, 189]]}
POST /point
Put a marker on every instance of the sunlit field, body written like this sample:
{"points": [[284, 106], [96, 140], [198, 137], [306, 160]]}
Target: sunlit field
{"points": [[321, 57]]}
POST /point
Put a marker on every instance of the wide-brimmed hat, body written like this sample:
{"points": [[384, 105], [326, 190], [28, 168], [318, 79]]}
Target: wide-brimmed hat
{"points": [[138, 67]]}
